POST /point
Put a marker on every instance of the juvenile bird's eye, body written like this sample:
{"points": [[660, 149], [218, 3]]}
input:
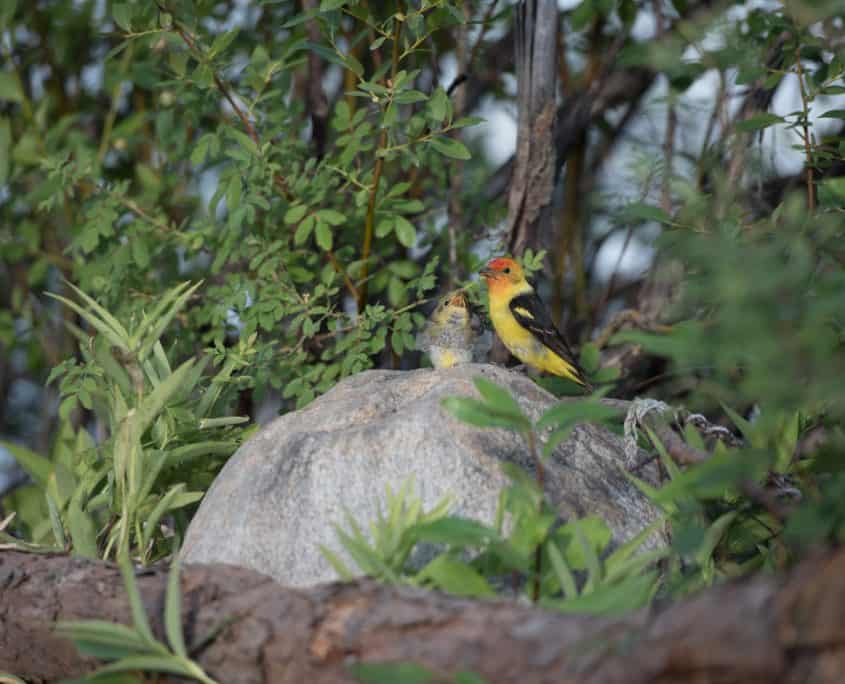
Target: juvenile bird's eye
{"points": [[508, 270]]}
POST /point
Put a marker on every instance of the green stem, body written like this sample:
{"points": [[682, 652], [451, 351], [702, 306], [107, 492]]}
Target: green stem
{"points": [[538, 552], [369, 222]]}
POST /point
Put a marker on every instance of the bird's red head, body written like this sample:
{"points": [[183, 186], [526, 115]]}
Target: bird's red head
{"points": [[501, 272]]}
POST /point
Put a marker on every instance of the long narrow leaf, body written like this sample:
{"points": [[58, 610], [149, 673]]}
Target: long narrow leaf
{"points": [[83, 532], [667, 461], [163, 505], [152, 334], [154, 402], [173, 609], [561, 569], [36, 466], [591, 558], [624, 552], [139, 614], [98, 324]]}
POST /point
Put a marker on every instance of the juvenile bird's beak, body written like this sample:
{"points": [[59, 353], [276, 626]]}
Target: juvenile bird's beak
{"points": [[487, 273], [458, 299]]}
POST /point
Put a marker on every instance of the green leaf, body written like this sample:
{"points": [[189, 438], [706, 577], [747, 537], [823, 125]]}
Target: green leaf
{"points": [[480, 414], [613, 599], [390, 673], [409, 97], [173, 609], [122, 15], [469, 678], [136, 605], [36, 466], [140, 252], [330, 5], [624, 552], [455, 577], [405, 231], [459, 532], [295, 213], [639, 211], [498, 398], [572, 537], [384, 226], [450, 147], [222, 41], [98, 317], [165, 503], [331, 216], [438, 105], [245, 141], [833, 114], [343, 572], [154, 402], [668, 462], [153, 325], [5, 148], [591, 557], [323, 233], [465, 121], [562, 571], [578, 411], [713, 535], [335, 57], [102, 639], [590, 358], [303, 230], [153, 663], [82, 530], [53, 512], [758, 122]]}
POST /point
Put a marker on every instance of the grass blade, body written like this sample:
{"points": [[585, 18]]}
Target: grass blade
{"points": [[173, 609]]}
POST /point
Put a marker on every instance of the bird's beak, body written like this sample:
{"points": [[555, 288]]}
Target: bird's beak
{"points": [[487, 273], [458, 299]]}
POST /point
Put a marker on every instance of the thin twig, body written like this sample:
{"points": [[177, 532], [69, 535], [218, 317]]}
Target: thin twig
{"points": [[805, 125], [369, 222]]}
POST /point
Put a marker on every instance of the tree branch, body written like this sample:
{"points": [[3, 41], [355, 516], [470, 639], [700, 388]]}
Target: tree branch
{"points": [[243, 627]]}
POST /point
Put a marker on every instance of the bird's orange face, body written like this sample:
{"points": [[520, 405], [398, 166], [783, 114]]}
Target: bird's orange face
{"points": [[501, 272]]}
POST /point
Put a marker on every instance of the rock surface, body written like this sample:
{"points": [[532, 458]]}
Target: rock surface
{"points": [[277, 498]]}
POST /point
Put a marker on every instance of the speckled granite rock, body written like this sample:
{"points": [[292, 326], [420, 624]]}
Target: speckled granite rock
{"points": [[274, 502]]}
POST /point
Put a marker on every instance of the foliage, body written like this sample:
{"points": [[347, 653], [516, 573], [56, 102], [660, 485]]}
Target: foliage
{"points": [[476, 559], [406, 673], [311, 167], [176, 187], [162, 442], [134, 649]]}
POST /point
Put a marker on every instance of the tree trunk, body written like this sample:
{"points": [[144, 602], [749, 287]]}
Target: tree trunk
{"points": [[785, 630], [529, 201]]}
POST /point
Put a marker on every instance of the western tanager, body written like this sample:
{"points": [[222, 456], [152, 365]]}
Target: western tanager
{"points": [[524, 325], [449, 337]]}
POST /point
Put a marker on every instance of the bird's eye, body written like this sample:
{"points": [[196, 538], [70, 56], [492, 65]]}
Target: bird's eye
{"points": [[507, 270]]}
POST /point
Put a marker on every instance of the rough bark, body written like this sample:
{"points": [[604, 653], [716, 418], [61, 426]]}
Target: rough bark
{"points": [[536, 70], [785, 630]]}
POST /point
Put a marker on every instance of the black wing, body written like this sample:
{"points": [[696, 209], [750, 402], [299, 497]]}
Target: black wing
{"points": [[530, 312]]}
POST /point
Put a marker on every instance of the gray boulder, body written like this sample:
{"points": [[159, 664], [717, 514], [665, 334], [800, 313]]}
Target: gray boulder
{"points": [[276, 499]]}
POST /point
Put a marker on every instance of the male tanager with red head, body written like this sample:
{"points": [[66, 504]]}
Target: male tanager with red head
{"points": [[524, 325]]}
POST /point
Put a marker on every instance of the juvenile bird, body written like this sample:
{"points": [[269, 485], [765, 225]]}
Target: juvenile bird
{"points": [[449, 337], [524, 325]]}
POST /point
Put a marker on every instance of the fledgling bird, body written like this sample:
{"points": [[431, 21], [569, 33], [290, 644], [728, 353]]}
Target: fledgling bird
{"points": [[451, 336], [523, 324]]}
